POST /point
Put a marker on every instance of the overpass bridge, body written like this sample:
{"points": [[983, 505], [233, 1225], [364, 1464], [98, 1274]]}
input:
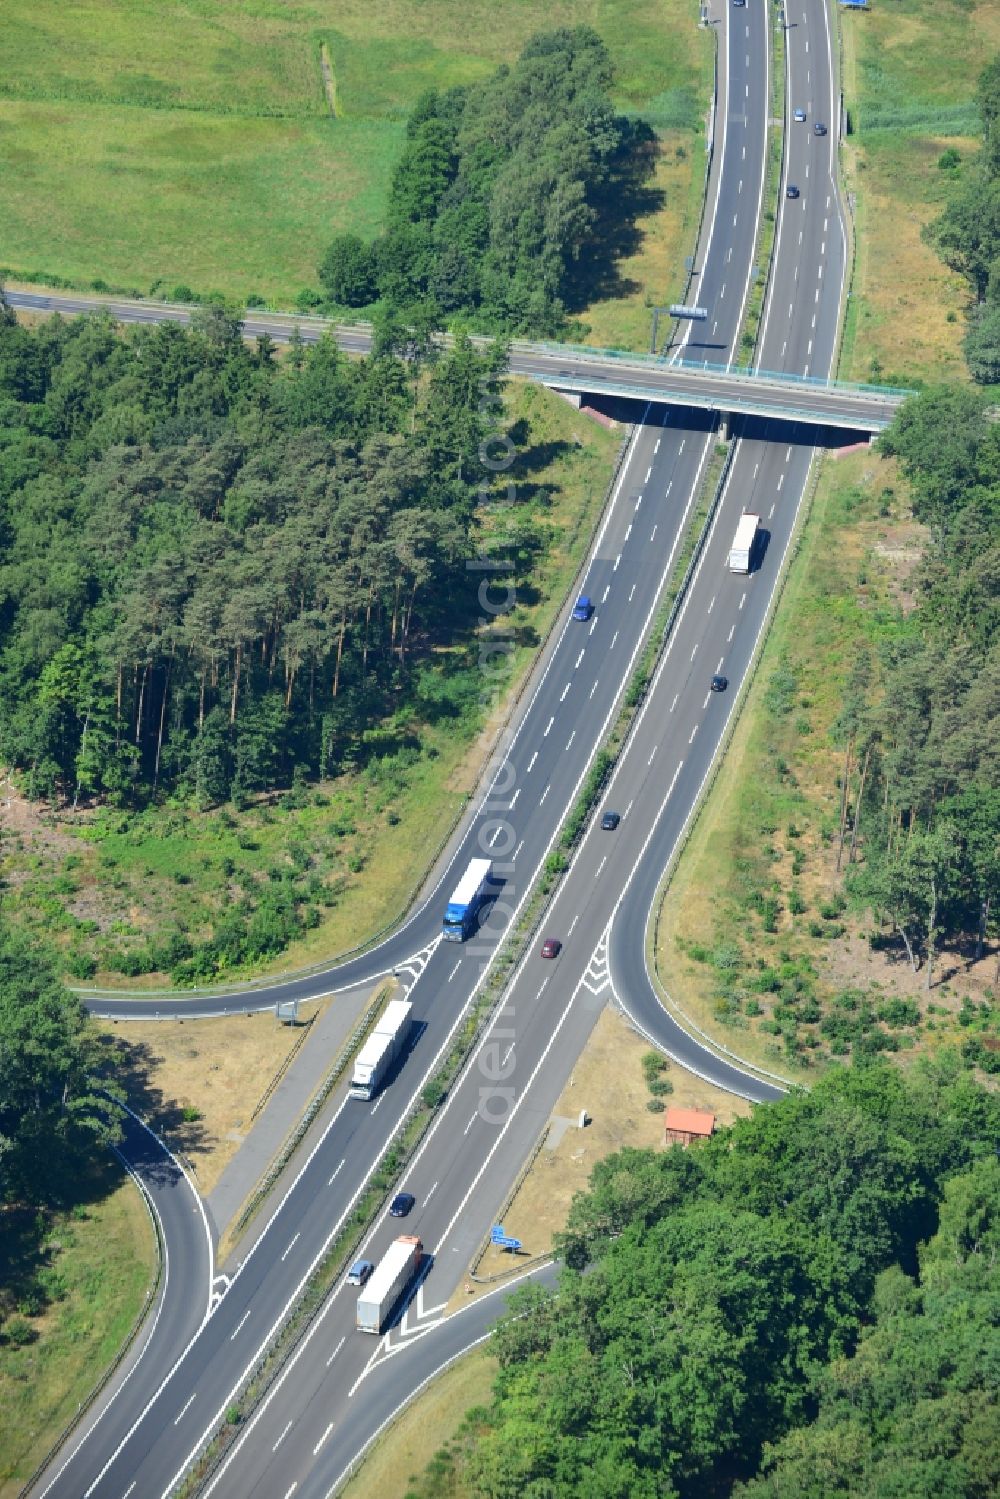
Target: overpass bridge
{"points": [[712, 387], [571, 368]]}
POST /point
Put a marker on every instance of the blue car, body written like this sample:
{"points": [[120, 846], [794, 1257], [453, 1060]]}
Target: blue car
{"points": [[583, 608]]}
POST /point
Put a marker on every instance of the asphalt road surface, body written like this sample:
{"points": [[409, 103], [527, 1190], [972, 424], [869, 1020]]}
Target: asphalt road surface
{"points": [[467, 1162]]}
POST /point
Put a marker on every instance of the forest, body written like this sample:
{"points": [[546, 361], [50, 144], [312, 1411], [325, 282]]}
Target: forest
{"points": [[220, 573], [510, 200], [967, 235], [920, 722], [804, 1306]]}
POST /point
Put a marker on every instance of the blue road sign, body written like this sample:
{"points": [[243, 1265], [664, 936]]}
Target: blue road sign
{"points": [[502, 1240]]}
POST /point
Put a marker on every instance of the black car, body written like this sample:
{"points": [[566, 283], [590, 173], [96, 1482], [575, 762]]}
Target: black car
{"points": [[610, 821], [719, 683], [401, 1204], [819, 129], [791, 191]]}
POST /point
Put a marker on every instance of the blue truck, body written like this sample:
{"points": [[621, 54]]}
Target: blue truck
{"points": [[463, 908]]}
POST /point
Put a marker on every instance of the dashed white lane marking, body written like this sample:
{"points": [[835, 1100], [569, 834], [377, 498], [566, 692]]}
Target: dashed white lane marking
{"points": [[814, 320], [279, 1442], [496, 835], [544, 794], [756, 468], [638, 502], [576, 664], [573, 923], [569, 741], [825, 222], [669, 487], [652, 533], [594, 625], [186, 1408], [817, 295], [430, 1194], [322, 1439], [613, 639], [734, 220], [509, 1052], [692, 734], [631, 593], [130, 1488], [648, 472], [548, 727], [692, 653], [628, 533], [770, 513], [233, 1335], [291, 1246], [705, 703], [684, 439], [781, 480], [513, 800], [743, 601], [471, 1123], [719, 667], [784, 346], [454, 971], [739, 188], [788, 455], [531, 762], [339, 1346], [562, 695], [732, 631], [650, 760], [820, 273], [791, 308], [604, 596], [712, 604], [617, 560], [541, 990], [291, 1488], [822, 248], [800, 236], [828, 201], [715, 329], [378, 1105], [673, 705], [628, 808], [807, 169], [600, 867], [810, 348], [657, 448], [518, 849], [592, 691], [339, 1169]]}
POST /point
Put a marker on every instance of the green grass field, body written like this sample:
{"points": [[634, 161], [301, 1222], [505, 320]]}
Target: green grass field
{"points": [[909, 74], [98, 1264], [145, 143]]}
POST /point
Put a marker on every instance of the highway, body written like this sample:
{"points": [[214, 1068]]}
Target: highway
{"points": [[304, 1435]]}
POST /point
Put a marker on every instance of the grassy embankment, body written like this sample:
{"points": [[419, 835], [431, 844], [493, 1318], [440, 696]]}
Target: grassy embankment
{"points": [[909, 71], [144, 146], [109, 881], [95, 1266], [754, 943]]}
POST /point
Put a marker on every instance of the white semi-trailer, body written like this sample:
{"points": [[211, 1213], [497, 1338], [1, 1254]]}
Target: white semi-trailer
{"points": [[741, 551], [383, 1046], [385, 1286]]}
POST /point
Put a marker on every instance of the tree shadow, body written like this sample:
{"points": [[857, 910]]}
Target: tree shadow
{"points": [[627, 196], [165, 1116]]}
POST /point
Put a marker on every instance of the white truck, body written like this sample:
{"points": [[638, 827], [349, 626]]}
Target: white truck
{"points": [[383, 1046], [397, 1268], [742, 549]]}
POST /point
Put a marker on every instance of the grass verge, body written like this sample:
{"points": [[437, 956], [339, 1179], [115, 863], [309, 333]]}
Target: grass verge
{"points": [[754, 941], [908, 76], [98, 1264]]}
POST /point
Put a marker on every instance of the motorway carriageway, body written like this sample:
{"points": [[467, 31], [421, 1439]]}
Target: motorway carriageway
{"points": [[550, 1011]]}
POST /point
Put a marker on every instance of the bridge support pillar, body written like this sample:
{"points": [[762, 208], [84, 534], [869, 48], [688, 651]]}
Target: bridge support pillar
{"points": [[574, 397], [725, 425]]}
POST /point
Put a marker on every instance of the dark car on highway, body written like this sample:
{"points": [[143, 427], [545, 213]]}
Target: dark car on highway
{"points": [[551, 947], [819, 129], [610, 821], [791, 191], [401, 1204], [719, 683], [583, 608]]}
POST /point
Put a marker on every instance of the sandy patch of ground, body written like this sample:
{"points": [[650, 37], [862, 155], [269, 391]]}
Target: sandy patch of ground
{"points": [[199, 1083]]}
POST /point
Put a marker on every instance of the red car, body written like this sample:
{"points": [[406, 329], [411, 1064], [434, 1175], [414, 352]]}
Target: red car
{"points": [[551, 947]]}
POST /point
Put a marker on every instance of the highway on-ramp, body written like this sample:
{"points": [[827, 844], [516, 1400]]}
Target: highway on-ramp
{"points": [[480, 1136]]}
